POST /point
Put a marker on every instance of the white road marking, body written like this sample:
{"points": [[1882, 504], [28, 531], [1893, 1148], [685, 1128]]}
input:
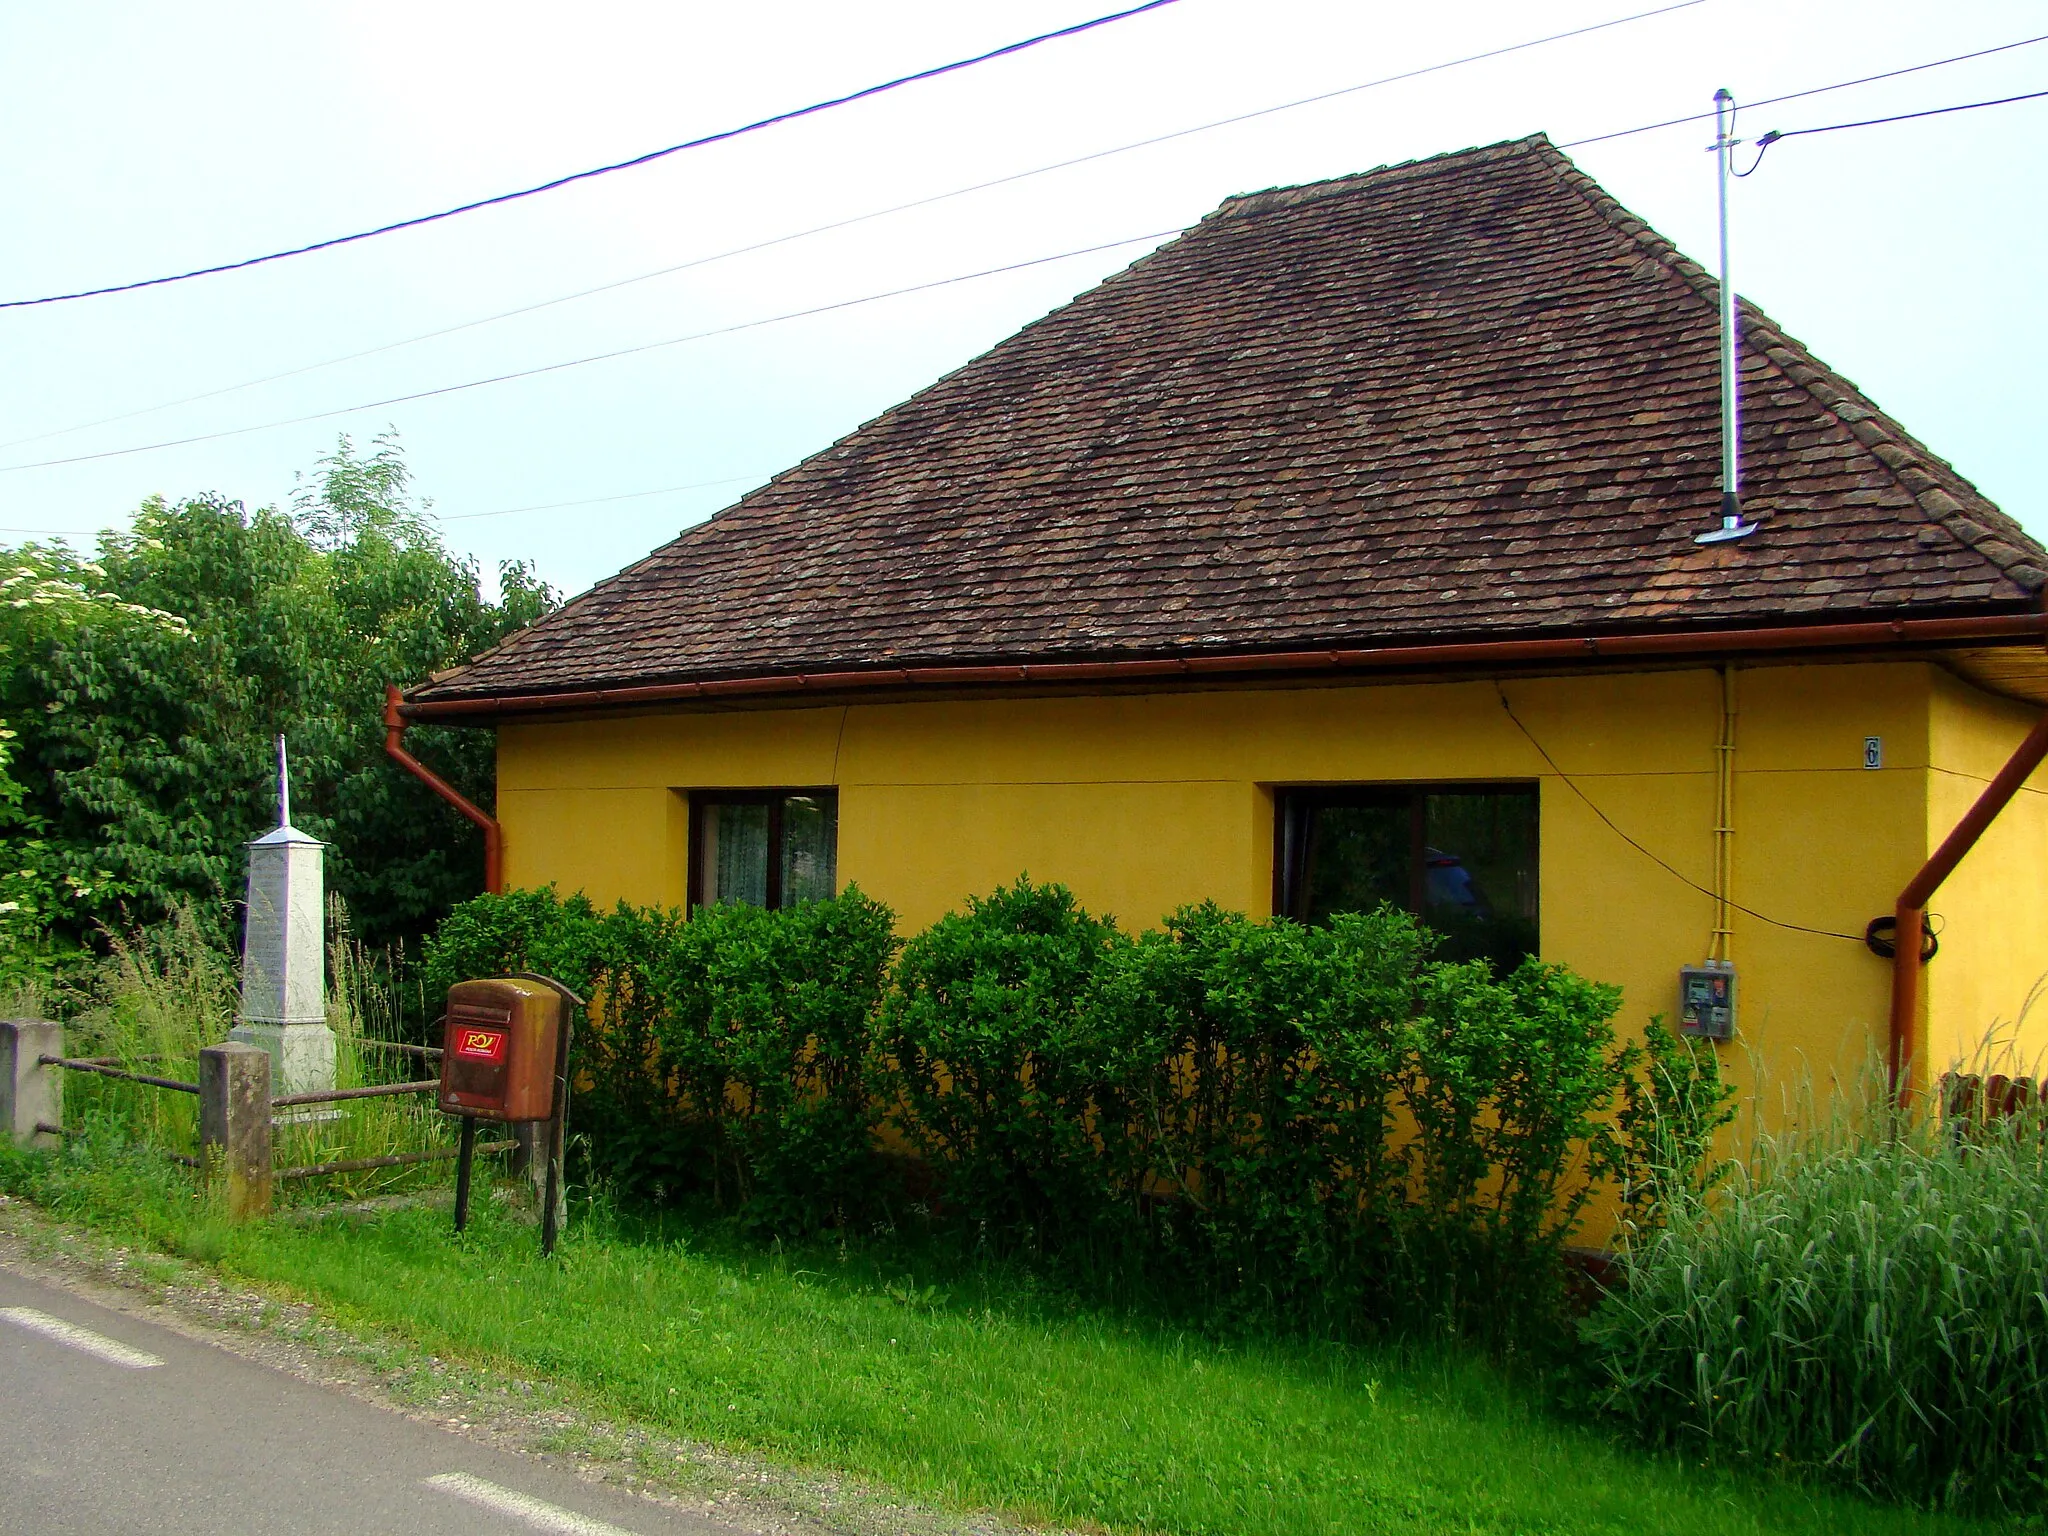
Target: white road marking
{"points": [[110, 1350], [541, 1516]]}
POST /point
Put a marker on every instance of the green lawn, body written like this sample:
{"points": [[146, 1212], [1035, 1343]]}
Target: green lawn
{"points": [[976, 1392]]}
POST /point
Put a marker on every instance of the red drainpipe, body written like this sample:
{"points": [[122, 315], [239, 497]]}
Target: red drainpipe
{"points": [[1910, 912], [494, 836]]}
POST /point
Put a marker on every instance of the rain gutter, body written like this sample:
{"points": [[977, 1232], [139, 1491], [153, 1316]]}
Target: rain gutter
{"points": [[1583, 648]]}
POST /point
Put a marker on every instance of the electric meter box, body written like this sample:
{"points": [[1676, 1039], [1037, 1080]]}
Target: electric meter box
{"points": [[498, 1044], [1706, 1001]]}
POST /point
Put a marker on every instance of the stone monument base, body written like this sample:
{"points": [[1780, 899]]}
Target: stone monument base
{"points": [[301, 1055]]}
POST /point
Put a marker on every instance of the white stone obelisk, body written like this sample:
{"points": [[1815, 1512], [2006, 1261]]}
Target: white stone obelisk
{"points": [[284, 953]]}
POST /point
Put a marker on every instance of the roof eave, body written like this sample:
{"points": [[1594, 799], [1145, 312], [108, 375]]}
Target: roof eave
{"points": [[1858, 635]]}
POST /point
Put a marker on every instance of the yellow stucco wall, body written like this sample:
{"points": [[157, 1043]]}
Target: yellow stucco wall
{"points": [[1993, 912], [1141, 802]]}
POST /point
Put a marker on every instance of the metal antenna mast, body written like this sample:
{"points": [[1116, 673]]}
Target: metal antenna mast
{"points": [[1732, 525]]}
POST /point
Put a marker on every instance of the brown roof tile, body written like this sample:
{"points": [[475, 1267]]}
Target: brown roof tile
{"points": [[1468, 397]]}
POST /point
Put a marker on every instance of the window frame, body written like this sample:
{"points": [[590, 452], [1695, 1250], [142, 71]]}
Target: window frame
{"points": [[1416, 793], [704, 801]]}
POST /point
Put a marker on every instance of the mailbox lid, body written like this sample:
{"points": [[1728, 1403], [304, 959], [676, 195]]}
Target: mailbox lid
{"points": [[498, 1049]]}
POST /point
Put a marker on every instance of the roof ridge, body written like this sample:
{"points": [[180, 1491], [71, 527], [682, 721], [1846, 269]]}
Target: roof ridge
{"points": [[1334, 186], [1941, 492]]}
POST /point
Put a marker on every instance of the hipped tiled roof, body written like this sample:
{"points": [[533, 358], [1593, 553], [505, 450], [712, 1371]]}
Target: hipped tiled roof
{"points": [[1468, 397]]}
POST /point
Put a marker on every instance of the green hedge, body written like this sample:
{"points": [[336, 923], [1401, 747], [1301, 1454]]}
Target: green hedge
{"points": [[1320, 1120]]}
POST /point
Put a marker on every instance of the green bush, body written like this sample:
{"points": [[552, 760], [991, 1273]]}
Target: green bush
{"points": [[1345, 1126], [730, 1055], [770, 1027], [997, 1059], [1868, 1303], [1254, 1098], [1324, 1123]]}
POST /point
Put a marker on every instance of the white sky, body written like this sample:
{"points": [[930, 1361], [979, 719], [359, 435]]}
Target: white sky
{"points": [[143, 138]]}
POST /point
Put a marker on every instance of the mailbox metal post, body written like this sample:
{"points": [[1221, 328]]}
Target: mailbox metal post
{"points": [[505, 1058], [464, 1156], [551, 1210]]}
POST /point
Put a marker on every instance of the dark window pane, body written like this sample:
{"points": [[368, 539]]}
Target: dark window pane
{"points": [[810, 838], [1479, 885], [1357, 858], [1462, 860], [736, 853]]}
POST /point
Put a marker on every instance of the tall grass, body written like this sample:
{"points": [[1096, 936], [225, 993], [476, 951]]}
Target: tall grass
{"points": [[1867, 1299], [162, 993]]}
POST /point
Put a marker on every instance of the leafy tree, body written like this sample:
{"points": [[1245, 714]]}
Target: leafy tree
{"points": [[147, 687]]}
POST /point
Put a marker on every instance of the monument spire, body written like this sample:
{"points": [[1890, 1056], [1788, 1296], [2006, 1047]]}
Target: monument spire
{"points": [[284, 959]]}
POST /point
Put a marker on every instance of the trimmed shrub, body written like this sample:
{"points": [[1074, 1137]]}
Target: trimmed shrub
{"points": [[730, 1054], [1321, 1122], [770, 1026], [1254, 1094], [1870, 1304], [998, 1060]]}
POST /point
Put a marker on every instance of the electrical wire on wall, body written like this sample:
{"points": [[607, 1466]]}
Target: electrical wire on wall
{"points": [[1720, 898]]}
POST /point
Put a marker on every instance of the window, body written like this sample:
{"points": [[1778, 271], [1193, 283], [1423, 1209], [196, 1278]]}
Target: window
{"points": [[765, 847], [1461, 858]]}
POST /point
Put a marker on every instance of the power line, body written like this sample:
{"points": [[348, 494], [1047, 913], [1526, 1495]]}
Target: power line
{"points": [[463, 517], [595, 357], [988, 272], [592, 501], [1766, 140], [1684, 879], [1818, 90], [602, 170], [881, 213]]}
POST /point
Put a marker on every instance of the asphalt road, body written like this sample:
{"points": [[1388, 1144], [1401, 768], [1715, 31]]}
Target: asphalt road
{"points": [[109, 1424]]}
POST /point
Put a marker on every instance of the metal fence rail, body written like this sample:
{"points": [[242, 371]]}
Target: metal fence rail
{"points": [[335, 1095], [395, 1160], [98, 1064], [237, 1112], [431, 1052]]}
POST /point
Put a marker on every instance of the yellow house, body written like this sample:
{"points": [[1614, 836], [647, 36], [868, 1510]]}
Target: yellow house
{"points": [[1345, 550]]}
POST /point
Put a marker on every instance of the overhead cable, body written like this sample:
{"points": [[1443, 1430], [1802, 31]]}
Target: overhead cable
{"points": [[593, 501], [881, 213], [464, 517], [1766, 140], [919, 287], [1818, 90], [595, 357], [571, 179]]}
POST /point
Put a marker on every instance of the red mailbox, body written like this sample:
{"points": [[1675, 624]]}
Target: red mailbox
{"points": [[498, 1049]]}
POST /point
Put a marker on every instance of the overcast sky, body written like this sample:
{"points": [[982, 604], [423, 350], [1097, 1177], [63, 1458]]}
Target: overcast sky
{"points": [[142, 139]]}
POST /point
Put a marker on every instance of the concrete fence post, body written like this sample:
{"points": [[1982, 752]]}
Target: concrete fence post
{"points": [[31, 1094], [234, 1124]]}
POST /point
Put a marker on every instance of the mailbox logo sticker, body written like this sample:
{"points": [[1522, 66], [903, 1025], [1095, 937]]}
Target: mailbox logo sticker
{"points": [[481, 1045]]}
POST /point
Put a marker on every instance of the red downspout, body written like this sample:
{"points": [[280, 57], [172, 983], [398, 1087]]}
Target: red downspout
{"points": [[1911, 910], [494, 837]]}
